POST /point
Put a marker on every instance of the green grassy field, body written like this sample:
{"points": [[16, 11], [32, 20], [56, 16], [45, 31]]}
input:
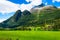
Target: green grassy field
{"points": [[29, 35]]}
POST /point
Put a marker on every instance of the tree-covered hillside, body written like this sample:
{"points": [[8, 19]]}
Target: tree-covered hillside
{"points": [[47, 18]]}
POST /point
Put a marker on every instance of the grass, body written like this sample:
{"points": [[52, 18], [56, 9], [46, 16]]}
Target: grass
{"points": [[29, 35]]}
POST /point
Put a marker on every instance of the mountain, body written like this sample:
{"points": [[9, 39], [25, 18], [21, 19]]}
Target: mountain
{"points": [[36, 9], [48, 15], [15, 19], [37, 17]]}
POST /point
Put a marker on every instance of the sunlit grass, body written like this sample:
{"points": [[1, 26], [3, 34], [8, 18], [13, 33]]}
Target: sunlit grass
{"points": [[29, 35]]}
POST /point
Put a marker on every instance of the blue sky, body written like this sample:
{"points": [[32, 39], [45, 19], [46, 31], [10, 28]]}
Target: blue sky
{"points": [[19, 1], [8, 7]]}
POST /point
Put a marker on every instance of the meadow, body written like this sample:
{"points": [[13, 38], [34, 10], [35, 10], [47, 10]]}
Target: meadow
{"points": [[29, 35]]}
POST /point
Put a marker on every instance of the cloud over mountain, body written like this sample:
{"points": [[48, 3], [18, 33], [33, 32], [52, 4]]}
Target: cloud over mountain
{"points": [[7, 6], [31, 5]]}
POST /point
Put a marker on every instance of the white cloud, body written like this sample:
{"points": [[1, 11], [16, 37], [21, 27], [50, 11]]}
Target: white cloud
{"points": [[31, 5], [35, 2], [7, 6], [56, 0], [1, 20], [25, 7]]}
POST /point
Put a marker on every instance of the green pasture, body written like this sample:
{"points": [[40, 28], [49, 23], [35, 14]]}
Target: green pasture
{"points": [[29, 35]]}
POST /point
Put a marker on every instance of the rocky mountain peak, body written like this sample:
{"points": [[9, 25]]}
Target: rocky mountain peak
{"points": [[26, 12]]}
